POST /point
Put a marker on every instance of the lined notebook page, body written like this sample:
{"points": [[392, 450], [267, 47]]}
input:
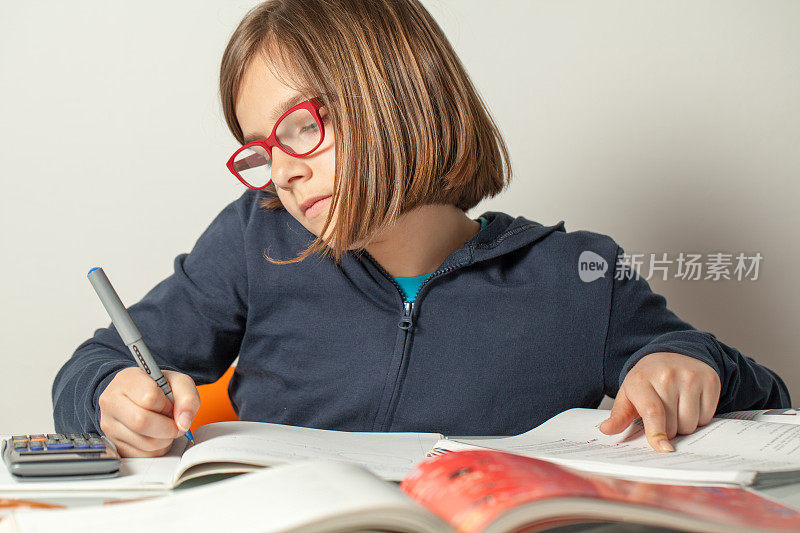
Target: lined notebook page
{"points": [[723, 451], [388, 455]]}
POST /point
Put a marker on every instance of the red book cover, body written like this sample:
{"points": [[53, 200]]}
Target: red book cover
{"points": [[470, 489]]}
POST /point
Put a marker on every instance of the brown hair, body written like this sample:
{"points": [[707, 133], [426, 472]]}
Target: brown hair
{"points": [[411, 129]]}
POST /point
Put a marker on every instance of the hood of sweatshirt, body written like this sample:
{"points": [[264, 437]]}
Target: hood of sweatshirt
{"points": [[503, 234]]}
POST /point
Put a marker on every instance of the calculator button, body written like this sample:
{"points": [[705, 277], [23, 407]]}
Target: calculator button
{"points": [[36, 446], [60, 446], [20, 446], [19, 437], [54, 436], [82, 445], [38, 436], [98, 445]]}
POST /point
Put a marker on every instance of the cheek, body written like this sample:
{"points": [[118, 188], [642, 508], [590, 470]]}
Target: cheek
{"points": [[327, 165], [289, 203]]}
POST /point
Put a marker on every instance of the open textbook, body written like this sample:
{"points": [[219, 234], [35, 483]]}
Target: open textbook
{"points": [[468, 492], [726, 451]]}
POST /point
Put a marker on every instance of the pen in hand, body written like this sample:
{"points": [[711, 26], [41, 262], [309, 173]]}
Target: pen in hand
{"points": [[130, 333]]}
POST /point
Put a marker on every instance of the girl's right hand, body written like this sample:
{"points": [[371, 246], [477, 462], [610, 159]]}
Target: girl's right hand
{"points": [[137, 417]]}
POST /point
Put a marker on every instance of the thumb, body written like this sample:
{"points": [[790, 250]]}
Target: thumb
{"points": [[622, 414], [187, 399]]}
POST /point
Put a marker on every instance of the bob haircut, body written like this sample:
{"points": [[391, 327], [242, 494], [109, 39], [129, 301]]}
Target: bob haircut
{"points": [[410, 128]]}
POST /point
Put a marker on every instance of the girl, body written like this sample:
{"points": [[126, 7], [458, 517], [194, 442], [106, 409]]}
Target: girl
{"points": [[355, 290]]}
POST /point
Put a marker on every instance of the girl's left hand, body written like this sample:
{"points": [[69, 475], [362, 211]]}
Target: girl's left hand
{"points": [[672, 392]]}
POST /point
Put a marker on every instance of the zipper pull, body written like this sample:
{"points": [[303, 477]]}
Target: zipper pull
{"points": [[405, 322]]}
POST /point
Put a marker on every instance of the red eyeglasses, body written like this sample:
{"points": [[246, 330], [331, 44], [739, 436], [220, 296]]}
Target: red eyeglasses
{"points": [[298, 132]]}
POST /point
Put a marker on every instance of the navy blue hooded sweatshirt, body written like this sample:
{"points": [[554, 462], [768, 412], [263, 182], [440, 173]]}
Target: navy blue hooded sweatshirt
{"points": [[501, 337]]}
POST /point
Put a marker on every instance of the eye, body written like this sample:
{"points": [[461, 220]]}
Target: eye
{"points": [[311, 128]]}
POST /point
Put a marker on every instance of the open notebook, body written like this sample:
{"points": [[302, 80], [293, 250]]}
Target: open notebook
{"points": [[231, 447], [726, 451]]}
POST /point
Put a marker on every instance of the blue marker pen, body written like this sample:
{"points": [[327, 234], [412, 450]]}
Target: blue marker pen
{"points": [[129, 332]]}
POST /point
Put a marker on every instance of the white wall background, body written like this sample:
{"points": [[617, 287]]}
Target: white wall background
{"points": [[671, 126]]}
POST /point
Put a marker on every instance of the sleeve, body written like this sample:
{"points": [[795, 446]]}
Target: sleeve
{"points": [[193, 322], [640, 324]]}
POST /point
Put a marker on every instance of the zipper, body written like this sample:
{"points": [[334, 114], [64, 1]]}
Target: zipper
{"points": [[406, 324], [390, 278], [436, 275]]}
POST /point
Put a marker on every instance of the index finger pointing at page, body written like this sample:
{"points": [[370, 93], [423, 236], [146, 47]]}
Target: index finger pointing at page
{"points": [[651, 408]]}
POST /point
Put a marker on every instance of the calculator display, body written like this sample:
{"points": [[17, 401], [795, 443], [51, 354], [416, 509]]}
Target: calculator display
{"points": [[60, 456]]}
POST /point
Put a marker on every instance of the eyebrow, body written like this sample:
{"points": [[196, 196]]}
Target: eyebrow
{"points": [[277, 111]]}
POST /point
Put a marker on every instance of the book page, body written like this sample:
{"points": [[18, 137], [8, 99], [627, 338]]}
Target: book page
{"points": [[389, 455], [724, 450], [312, 496], [779, 416]]}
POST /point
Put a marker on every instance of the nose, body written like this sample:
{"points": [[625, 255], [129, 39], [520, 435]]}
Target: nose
{"points": [[286, 169]]}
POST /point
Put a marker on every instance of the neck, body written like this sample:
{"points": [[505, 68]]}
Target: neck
{"points": [[422, 239]]}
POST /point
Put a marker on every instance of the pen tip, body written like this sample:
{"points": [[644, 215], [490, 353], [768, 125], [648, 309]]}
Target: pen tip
{"points": [[92, 270]]}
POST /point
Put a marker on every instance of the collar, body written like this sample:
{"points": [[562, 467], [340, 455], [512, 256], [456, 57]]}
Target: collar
{"points": [[503, 234]]}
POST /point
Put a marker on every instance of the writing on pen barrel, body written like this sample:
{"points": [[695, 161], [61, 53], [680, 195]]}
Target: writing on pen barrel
{"points": [[129, 332]]}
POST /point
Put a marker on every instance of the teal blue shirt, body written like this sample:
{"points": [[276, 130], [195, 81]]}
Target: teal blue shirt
{"points": [[410, 286]]}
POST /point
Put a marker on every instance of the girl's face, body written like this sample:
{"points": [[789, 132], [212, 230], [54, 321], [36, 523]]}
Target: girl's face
{"points": [[262, 100]]}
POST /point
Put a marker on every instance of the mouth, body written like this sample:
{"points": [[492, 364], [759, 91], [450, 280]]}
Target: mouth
{"points": [[317, 207]]}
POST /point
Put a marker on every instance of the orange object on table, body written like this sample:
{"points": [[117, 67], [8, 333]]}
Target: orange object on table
{"points": [[215, 404]]}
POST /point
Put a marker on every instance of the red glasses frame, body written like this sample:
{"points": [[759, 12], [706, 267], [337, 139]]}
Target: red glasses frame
{"points": [[312, 105]]}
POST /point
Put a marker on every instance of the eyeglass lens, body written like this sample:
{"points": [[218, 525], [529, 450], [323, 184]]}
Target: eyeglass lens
{"points": [[297, 133]]}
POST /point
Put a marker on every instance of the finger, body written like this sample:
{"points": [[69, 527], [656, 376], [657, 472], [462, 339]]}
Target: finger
{"points": [[146, 422], [121, 407], [146, 394], [187, 399], [669, 393], [127, 450], [688, 412], [622, 413], [651, 407], [136, 443], [709, 399]]}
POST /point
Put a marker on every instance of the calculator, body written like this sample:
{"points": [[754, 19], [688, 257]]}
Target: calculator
{"points": [[60, 456]]}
